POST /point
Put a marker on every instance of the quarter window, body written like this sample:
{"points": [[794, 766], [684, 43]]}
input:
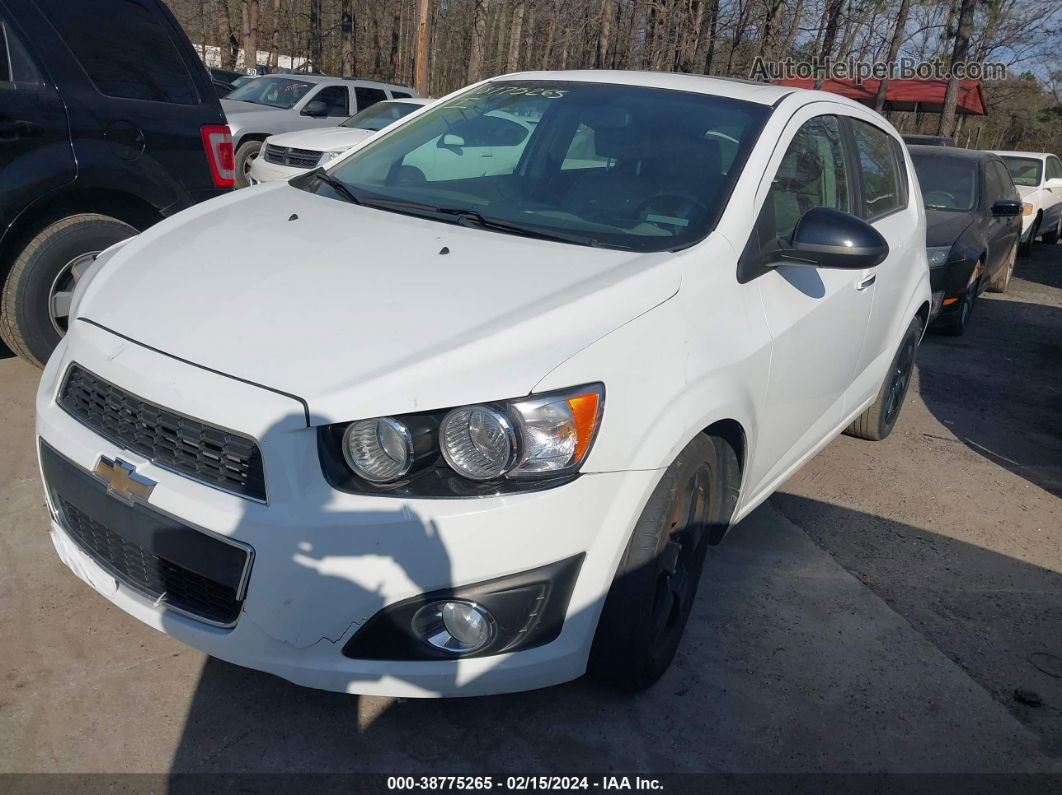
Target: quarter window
{"points": [[15, 63], [812, 174], [134, 60], [879, 171], [368, 96]]}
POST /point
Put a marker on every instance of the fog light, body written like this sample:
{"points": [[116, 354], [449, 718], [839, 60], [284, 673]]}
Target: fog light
{"points": [[455, 627]]}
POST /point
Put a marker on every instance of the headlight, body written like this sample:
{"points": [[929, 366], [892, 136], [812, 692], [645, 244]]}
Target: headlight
{"points": [[513, 445], [478, 442], [937, 255], [328, 157], [1026, 208]]}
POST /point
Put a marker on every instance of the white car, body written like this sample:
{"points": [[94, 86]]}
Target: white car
{"points": [[1038, 177], [282, 103], [381, 430], [290, 154]]}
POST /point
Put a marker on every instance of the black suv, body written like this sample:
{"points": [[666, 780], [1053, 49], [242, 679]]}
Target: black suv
{"points": [[108, 123]]}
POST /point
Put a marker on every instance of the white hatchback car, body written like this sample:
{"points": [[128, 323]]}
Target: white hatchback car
{"points": [[289, 154], [381, 430]]}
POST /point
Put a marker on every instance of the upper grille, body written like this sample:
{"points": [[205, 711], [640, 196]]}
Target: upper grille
{"points": [[205, 453], [177, 586], [287, 156]]}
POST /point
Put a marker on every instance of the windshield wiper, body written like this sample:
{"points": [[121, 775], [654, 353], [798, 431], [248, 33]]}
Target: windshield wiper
{"points": [[465, 217], [338, 186]]}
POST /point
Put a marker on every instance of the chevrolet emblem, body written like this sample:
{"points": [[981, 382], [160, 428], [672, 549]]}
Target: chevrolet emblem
{"points": [[122, 480]]}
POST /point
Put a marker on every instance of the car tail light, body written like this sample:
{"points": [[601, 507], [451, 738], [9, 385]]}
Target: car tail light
{"points": [[217, 141]]}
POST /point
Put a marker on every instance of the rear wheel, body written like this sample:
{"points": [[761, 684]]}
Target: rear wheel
{"points": [[880, 418], [650, 599], [35, 304]]}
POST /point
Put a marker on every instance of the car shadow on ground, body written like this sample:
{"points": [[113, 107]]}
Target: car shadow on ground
{"points": [[789, 664], [998, 388]]}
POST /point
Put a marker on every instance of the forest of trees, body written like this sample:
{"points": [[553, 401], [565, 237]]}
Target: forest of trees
{"points": [[466, 40]]}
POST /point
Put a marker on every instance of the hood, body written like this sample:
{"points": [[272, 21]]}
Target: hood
{"points": [[363, 312], [1025, 191], [239, 106], [322, 139], [943, 227]]}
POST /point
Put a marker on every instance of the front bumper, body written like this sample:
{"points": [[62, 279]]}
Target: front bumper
{"points": [[325, 562], [263, 171]]}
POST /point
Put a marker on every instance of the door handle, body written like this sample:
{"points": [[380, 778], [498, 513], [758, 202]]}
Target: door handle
{"points": [[13, 130], [866, 281]]}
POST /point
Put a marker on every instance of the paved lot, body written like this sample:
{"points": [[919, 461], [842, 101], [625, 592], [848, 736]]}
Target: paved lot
{"points": [[875, 616]]}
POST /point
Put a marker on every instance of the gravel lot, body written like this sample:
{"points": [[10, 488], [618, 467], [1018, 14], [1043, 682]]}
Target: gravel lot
{"points": [[875, 616]]}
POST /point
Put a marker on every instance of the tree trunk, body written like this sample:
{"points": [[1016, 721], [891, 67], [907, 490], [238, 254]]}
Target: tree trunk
{"points": [[346, 39], [713, 27], [515, 32], [790, 37], [605, 18], [274, 39], [958, 55], [479, 35], [833, 18], [771, 23], [421, 78], [249, 32], [894, 49], [396, 33], [313, 36], [227, 40]]}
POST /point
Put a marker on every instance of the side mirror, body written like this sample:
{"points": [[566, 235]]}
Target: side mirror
{"points": [[450, 141], [826, 238], [316, 108], [1007, 207]]}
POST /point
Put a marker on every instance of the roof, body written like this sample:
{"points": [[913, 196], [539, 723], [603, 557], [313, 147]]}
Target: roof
{"points": [[953, 152], [1038, 155], [926, 95], [761, 93], [330, 79]]}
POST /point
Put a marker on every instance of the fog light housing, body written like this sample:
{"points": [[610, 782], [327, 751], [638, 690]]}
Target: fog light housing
{"points": [[455, 626]]}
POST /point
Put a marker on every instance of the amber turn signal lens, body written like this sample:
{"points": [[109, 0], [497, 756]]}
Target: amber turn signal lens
{"points": [[585, 413]]}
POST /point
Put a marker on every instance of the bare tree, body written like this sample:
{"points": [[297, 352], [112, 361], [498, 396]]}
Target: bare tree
{"points": [[605, 20], [228, 41], [829, 34], [346, 38], [421, 79], [479, 35], [894, 50], [249, 31], [515, 31]]}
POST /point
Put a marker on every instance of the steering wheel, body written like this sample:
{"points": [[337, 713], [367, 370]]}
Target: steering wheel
{"points": [[940, 198], [685, 200]]}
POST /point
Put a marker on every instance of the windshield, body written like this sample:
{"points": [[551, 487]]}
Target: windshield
{"points": [[610, 165], [378, 116], [1025, 171], [276, 92], [948, 183]]}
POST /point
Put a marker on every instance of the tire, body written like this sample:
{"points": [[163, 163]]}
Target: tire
{"points": [[1025, 246], [650, 599], [48, 266], [246, 153], [1050, 238], [877, 422], [1000, 281]]}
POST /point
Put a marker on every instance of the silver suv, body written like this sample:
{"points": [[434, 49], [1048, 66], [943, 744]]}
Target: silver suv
{"points": [[285, 103]]}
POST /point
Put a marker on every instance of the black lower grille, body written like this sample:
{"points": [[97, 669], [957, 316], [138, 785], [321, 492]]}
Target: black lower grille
{"points": [[199, 573], [204, 452], [287, 156], [149, 573]]}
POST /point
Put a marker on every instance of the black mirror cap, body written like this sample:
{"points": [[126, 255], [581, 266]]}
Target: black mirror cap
{"points": [[1007, 207], [315, 108], [830, 238]]}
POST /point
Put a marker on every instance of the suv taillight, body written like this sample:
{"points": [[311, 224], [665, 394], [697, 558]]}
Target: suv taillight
{"points": [[217, 141]]}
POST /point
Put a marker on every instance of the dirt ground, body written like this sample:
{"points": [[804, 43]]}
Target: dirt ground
{"points": [[877, 615]]}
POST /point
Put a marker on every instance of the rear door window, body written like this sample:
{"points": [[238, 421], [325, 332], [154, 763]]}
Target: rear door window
{"points": [[336, 98], [368, 97], [136, 59], [882, 187]]}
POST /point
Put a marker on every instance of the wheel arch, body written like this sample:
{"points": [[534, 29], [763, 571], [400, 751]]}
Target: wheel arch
{"points": [[733, 433]]}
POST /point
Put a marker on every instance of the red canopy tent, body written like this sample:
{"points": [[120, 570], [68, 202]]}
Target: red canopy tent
{"points": [[915, 95]]}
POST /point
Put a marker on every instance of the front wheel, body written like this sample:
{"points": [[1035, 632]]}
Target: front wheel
{"points": [[651, 596], [245, 155], [880, 418]]}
